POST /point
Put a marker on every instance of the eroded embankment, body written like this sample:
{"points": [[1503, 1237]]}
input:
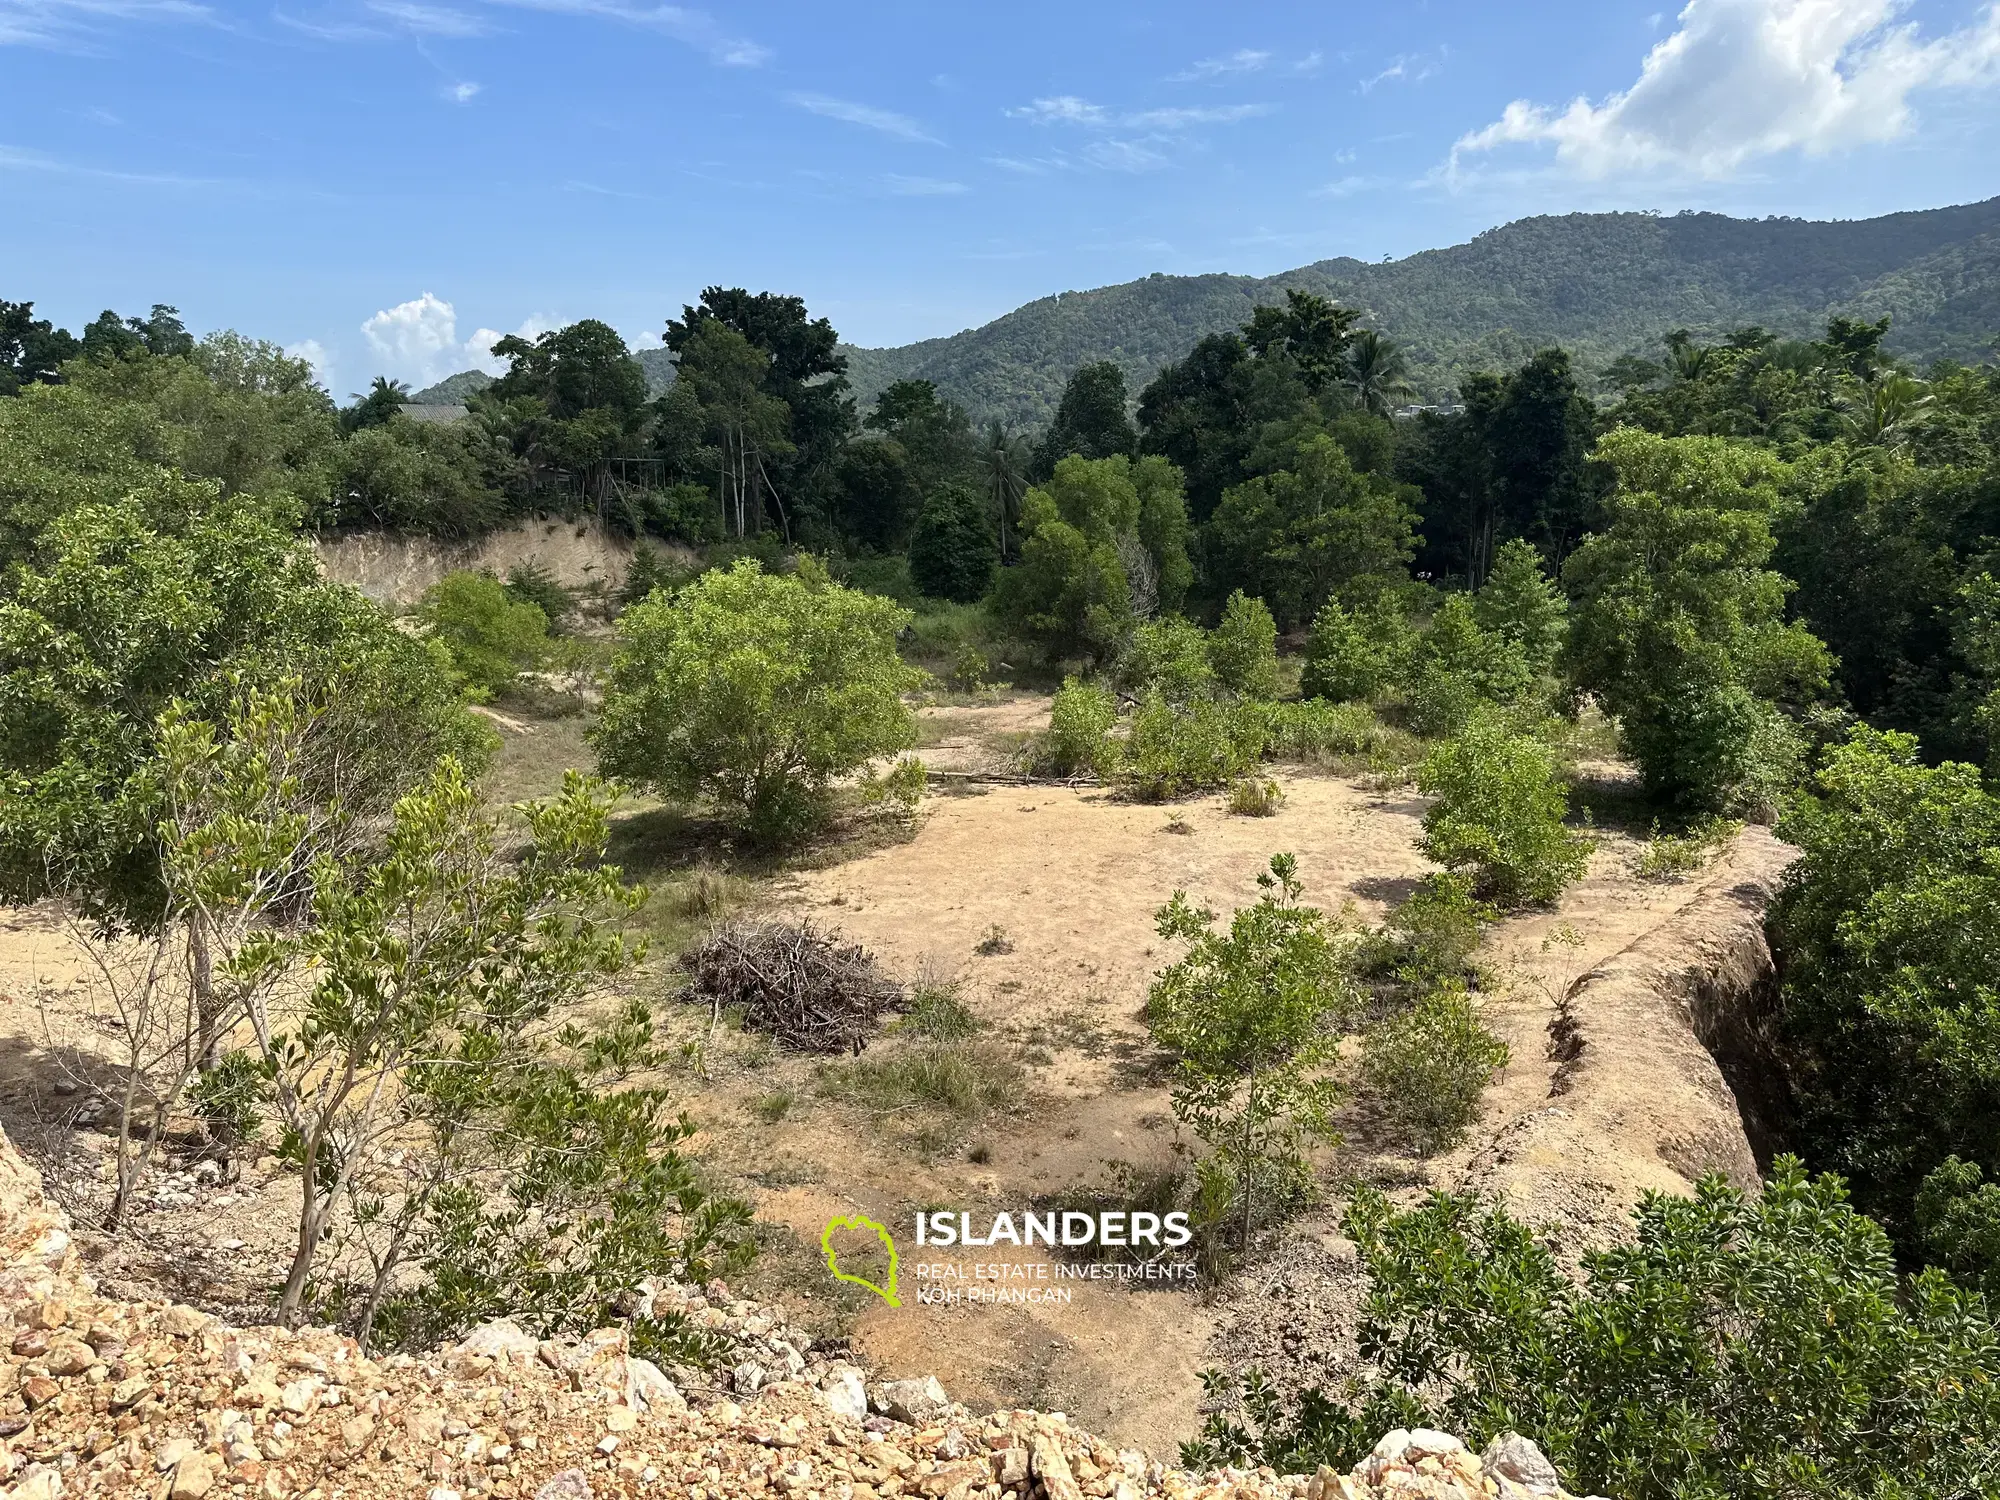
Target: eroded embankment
{"points": [[1655, 1070], [395, 570]]}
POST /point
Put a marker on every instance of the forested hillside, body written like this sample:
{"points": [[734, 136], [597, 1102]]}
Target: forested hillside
{"points": [[1600, 285]]}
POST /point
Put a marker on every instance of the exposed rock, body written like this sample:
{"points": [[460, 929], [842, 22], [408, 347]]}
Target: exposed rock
{"points": [[917, 1402], [1511, 1456], [500, 1338]]}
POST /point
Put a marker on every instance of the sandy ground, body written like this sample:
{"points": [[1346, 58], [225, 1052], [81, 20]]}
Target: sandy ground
{"points": [[1039, 902]]}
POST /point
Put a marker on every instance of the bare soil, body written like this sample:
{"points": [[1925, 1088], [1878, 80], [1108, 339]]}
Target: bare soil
{"points": [[1038, 903]]}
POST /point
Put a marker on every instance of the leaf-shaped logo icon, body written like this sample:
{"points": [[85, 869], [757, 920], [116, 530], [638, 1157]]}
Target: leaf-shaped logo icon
{"points": [[860, 1222]]}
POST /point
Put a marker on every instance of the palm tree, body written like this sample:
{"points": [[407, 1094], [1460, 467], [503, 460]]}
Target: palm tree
{"points": [[1377, 370], [1685, 357], [1006, 457], [1888, 411]]}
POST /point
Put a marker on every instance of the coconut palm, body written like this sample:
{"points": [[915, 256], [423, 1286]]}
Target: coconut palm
{"points": [[1006, 456], [1888, 411], [1377, 370]]}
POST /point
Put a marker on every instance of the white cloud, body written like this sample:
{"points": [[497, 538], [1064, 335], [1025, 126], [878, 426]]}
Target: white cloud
{"points": [[902, 127], [479, 353], [1247, 60], [417, 339], [1066, 109], [694, 27], [922, 187], [47, 23], [313, 352], [429, 20], [1124, 156], [1743, 79], [462, 93]]}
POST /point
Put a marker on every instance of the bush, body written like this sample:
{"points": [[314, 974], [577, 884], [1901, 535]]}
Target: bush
{"points": [[532, 583], [491, 638], [1762, 1348], [1499, 812], [650, 570], [755, 690], [1256, 797], [1457, 666], [1175, 749], [1433, 934], [952, 551], [1243, 649], [687, 513], [1355, 654], [1427, 1067], [1171, 655], [1675, 856], [1078, 738], [1247, 1015], [1884, 934], [1317, 732], [1523, 606]]}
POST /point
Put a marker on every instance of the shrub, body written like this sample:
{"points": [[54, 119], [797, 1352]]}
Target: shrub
{"points": [[1675, 856], [1523, 606], [1175, 749], [1435, 931], [901, 787], [1756, 1347], [491, 638], [1243, 649], [1355, 654], [1246, 1015], [1321, 733], [1171, 655], [650, 570], [1457, 666], [755, 690], [1499, 812], [1078, 738], [1256, 797], [1884, 933], [1427, 1067], [532, 583], [952, 551]]}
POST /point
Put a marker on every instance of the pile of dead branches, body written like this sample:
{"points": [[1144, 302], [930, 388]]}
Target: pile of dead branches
{"points": [[794, 982]]}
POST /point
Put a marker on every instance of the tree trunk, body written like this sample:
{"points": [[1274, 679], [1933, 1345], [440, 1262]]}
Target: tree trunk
{"points": [[207, 1008]]}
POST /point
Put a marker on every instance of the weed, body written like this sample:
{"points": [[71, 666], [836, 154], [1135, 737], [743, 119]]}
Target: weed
{"points": [[1256, 797], [980, 1154], [774, 1106], [994, 943], [1671, 857], [1427, 1067], [1178, 824]]}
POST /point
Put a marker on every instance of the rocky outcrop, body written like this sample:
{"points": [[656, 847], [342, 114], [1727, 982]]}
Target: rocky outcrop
{"points": [[106, 1397]]}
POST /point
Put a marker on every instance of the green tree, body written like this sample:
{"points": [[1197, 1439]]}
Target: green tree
{"points": [[952, 554], [1091, 420], [1455, 666], [1310, 532], [1523, 605], [31, 349], [1005, 457], [1499, 813], [1886, 931], [1681, 629], [756, 690], [1072, 594], [1244, 648], [424, 478], [1248, 1016], [1162, 530], [490, 637], [1760, 1346], [1377, 371], [1355, 654], [385, 399]]}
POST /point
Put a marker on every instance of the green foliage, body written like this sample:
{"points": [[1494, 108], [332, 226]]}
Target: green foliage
{"points": [[1313, 530], [1355, 654], [1456, 666], [1090, 420], [1070, 595], [1884, 931], [756, 690], [490, 637], [1244, 648], [1435, 931], [1320, 733], [1680, 629], [425, 478], [1957, 1223], [1427, 1066], [650, 570], [1523, 606], [1248, 1015], [1675, 856], [1256, 797], [1500, 801], [1171, 654], [1162, 529], [1078, 738], [952, 550], [531, 582], [1759, 1347], [1174, 749]]}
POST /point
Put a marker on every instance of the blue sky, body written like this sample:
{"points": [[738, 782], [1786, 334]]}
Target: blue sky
{"points": [[389, 184]]}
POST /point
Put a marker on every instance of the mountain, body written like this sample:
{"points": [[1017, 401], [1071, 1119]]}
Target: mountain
{"points": [[1600, 285], [453, 389]]}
